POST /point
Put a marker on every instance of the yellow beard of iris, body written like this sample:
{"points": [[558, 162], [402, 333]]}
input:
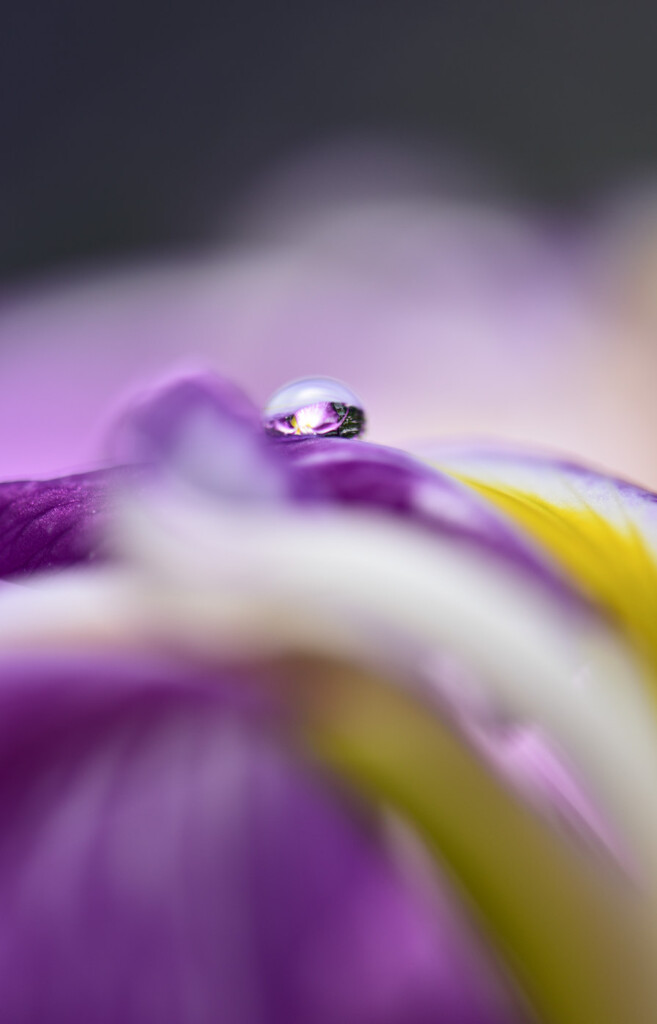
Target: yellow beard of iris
{"points": [[611, 561], [302, 424]]}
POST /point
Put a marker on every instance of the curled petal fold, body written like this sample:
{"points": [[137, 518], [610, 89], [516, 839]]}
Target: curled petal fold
{"points": [[204, 431], [367, 476]]}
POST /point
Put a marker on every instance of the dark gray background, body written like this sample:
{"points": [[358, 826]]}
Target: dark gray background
{"points": [[123, 123]]}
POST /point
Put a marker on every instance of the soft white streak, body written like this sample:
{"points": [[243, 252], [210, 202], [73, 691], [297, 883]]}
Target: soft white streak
{"points": [[216, 580]]}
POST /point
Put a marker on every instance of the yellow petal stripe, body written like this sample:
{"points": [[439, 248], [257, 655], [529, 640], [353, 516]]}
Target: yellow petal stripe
{"points": [[605, 549], [570, 932]]}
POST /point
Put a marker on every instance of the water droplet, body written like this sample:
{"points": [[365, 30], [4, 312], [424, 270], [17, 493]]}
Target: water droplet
{"points": [[314, 406]]}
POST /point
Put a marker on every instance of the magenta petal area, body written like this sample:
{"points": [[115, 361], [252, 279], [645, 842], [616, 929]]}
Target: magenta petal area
{"points": [[165, 858], [53, 524]]}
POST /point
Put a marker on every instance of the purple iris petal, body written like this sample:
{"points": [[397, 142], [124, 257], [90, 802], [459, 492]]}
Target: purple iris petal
{"points": [[319, 418], [201, 425], [205, 430], [360, 474], [52, 524], [165, 429], [164, 858]]}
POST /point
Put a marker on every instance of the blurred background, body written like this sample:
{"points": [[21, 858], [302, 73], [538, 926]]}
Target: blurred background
{"points": [[451, 206]]}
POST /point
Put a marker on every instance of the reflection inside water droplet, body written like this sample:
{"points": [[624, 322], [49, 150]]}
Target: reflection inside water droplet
{"points": [[314, 406]]}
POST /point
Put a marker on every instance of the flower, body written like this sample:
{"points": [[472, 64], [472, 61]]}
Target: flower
{"points": [[313, 730]]}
